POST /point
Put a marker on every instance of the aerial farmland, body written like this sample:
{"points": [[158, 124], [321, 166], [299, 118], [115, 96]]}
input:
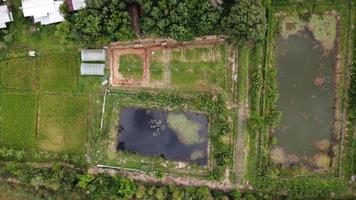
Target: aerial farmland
{"points": [[141, 99]]}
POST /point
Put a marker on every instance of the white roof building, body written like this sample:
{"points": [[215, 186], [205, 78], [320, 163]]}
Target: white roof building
{"points": [[43, 11], [76, 4], [92, 69], [5, 16], [93, 55]]}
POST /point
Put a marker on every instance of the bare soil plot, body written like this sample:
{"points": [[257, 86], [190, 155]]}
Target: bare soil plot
{"points": [[18, 121], [19, 73], [63, 123]]}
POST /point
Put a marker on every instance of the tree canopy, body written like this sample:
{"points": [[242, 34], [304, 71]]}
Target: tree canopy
{"points": [[100, 22], [181, 20], [246, 21]]}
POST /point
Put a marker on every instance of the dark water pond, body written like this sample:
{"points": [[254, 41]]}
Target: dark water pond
{"points": [[306, 86], [151, 132]]}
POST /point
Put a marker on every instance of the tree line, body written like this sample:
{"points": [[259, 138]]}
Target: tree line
{"points": [[103, 21]]}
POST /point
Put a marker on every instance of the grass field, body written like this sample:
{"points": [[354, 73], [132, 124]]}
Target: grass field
{"points": [[19, 73], [59, 72], [131, 66], [198, 67], [157, 66], [63, 123], [18, 124]]}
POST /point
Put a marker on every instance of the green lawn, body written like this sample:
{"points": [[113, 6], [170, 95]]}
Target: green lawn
{"points": [[157, 66], [198, 67], [18, 121], [19, 73], [63, 123], [131, 66], [59, 72]]}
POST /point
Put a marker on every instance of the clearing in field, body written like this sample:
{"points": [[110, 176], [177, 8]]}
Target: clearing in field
{"points": [[19, 73], [59, 72], [63, 123], [307, 65], [18, 121]]}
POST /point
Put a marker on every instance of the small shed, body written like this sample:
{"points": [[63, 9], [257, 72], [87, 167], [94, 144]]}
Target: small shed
{"points": [[92, 69], [5, 16], [93, 55]]}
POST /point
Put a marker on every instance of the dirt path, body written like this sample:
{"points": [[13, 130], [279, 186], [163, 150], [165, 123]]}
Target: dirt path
{"points": [[240, 146], [167, 73], [167, 179]]}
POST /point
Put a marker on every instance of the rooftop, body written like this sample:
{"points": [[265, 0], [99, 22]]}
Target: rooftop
{"points": [[5, 16], [43, 11], [92, 69], [93, 55]]}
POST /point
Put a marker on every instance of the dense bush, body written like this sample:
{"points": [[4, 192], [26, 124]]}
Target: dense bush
{"points": [[100, 22], [246, 21], [181, 20]]}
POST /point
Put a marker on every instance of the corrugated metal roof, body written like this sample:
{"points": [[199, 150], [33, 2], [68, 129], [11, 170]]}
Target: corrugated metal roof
{"points": [[43, 11], [92, 69], [5, 16], [93, 55], [37, 8], [78, 4]]}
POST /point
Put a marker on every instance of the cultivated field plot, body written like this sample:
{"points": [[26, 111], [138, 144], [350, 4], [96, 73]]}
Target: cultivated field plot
{"points": [[198, 65], [19, 73], [63, 123], [131, 66], [195, 68], [18, 121], [45, 105], [59, 72]]}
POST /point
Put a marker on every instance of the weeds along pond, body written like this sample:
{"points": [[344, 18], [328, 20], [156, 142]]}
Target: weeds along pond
{"points": [[178, 136]]}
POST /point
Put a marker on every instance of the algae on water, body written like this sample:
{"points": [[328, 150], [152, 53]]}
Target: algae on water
{"points": [[186, 130]]}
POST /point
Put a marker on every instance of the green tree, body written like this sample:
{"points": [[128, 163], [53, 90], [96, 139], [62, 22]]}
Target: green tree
{"points": [[246, 22], [181, 20]]}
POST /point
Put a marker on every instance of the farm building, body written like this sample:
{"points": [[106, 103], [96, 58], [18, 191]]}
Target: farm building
{"points": [[74, 5], [5, 16], [93, 55], [92, 69], [43, 11]]}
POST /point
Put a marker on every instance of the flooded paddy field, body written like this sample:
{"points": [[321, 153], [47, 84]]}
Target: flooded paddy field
{"points": [[177, 136], [306, 81]]}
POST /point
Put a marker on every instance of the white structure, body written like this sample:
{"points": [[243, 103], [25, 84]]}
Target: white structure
{"points": [[92, 69], [93, 55], [76, 4], [43, 11], [5, 16]]}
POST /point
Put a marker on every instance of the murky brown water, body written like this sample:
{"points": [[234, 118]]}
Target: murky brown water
{"points": [[306, 86]]}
